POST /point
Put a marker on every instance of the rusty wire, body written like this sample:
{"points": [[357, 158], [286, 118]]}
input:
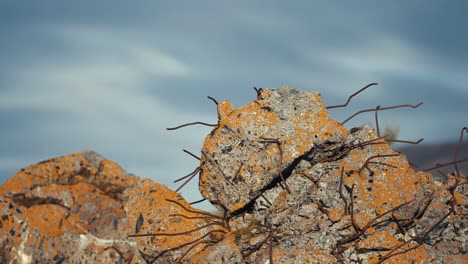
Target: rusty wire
{"points": [[455, 154], [280, 162], [380, 109], [366, 163], [351, 96], [370, 223], [415, 238], [191, 124], [377, 128]]}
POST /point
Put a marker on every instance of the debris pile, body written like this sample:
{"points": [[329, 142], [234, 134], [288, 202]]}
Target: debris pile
{"points": [[295, 186], [291, 184]]}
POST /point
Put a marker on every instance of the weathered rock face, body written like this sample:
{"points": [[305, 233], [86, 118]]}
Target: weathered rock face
{"points": [[66, 210], [347, 196]]}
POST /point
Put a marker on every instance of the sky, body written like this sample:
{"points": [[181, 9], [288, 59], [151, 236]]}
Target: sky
{"points": [[110, 76]]}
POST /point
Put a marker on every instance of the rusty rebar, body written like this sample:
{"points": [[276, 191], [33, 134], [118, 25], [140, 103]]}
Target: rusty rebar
{"points": [[377, 127], [465, 129], [280, 163], [354, 94], [423, 233], [346, 209], [191, 124], [237, 173], [193, 246], [422, 211], [441, 165], [179, 233], [194, 211], [191, 154], [362, 144], [259, 92], [358, 234], [380, 109], [198, 201], [376, 156], [406, 141], [197, 169], [190, 217], [212, 99], [185, 182]]}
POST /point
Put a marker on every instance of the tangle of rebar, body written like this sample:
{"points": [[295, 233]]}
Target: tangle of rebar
{"points": [[415, 238], [380, 109], [191, 175], [362, 144], [198, 241], [370, 223], [271, 235], [377, 128], [350, 97]]}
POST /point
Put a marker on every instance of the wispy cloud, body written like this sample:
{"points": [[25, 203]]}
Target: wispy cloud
{"points": [[100, 100]]}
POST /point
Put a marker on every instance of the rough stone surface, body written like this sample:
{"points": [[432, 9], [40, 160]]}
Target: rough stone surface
{"points": [[232, 175], [351, 198], [161, 213], [66, 210]]}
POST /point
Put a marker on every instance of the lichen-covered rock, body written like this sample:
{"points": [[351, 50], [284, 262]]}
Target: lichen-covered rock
{"points": [[252, 144], [66, 210], [166, 228], [295, 186]]}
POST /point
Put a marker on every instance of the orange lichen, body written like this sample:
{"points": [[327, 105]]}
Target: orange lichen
{"points": [[335, 214], [409, 254], [376, 239], [237, 206], [157, 204]]}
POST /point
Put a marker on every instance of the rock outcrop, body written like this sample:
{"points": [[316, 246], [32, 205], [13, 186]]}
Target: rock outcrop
{"points": [[295, 186], [66, 210]]}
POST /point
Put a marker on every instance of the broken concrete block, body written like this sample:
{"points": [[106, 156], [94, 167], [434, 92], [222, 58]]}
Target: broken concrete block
{"points": [[254, 144], [66, 210]]}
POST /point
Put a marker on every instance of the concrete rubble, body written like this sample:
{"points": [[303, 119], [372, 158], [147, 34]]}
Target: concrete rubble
{"points": [[291, 184], [295, 186], [67, 210]]}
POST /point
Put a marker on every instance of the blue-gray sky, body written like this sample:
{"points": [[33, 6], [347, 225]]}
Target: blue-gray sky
{"points": [[112, 75]]}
